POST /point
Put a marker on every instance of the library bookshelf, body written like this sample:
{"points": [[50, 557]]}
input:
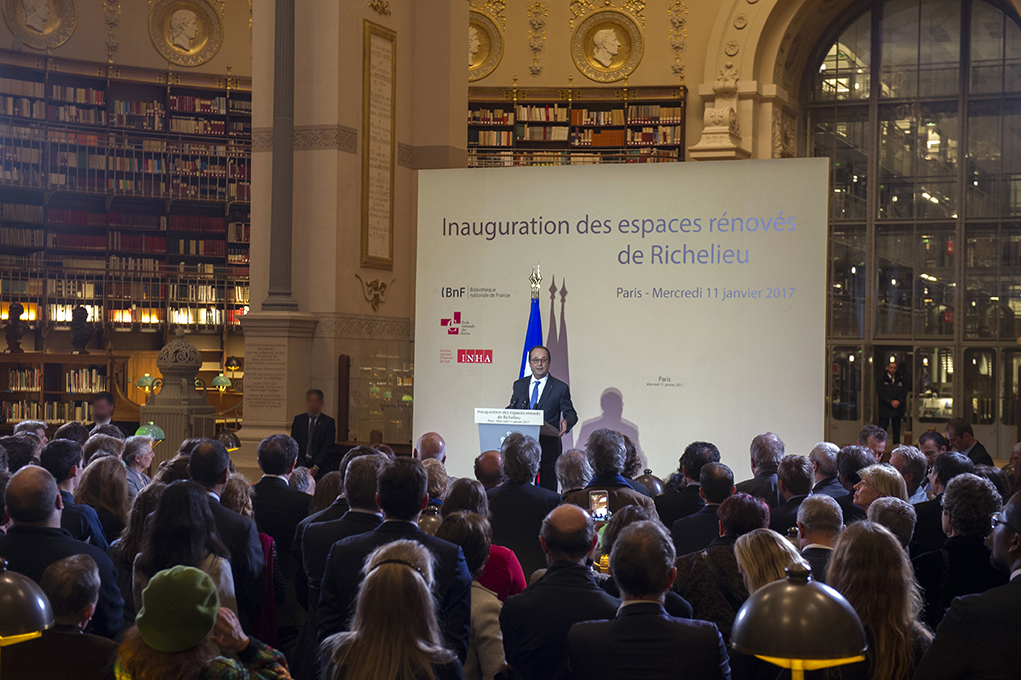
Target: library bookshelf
{"points": [[575, 126], [126, 191]]}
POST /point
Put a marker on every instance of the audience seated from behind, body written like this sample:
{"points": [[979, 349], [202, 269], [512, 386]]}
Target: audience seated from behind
{"points": [[820, 521], [709, 580], [633, 466], [674, 604], [489, 469], [437, 475], [35, 541], [125, 549], [912, 466], [394, 633], [976, 638], [878, 481], [74, 431], [896, 515], [62, 458], [871, 569], [327, 489], [929, 534], [401, 495], [961, 437], [766, 452], [607, 455], [303, 480], [65, 651], [963, 566], [137, 458], [502, 574], [641, 640], [471, 531], [104, 487], [696, 531], [573, 471], [535, 623], [823, 457], [794, 478], [518, 505], [183, 632], [681, 497], [850, 461], [99, 445], [23, 449]]}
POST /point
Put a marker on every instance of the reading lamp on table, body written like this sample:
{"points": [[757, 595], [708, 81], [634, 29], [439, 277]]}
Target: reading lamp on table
{"points": [[800, 624], [25, 611]]}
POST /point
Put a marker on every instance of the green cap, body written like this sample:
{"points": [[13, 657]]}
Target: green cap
{"points": [[179, 608]]}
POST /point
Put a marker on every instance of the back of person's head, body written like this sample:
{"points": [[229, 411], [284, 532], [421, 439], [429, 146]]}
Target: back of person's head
{"points": [[360, 482], [59, 457], [935, 437], [951, 464], [327, 489], [960, 427], [277, 454], [997, 477], [624, 517], [302, 480], [642, 560], [885, 479], [473, 533], [796, 474], [32, 426], [824, 455], [717, 482], [573, 470], [970, 501], [695, 456], [466, 495], [31, 496], [896, 515], [606, 453], [742, 513], [21, 450], [766, 451], [188, 445], [520, 455], [395, 634], [910, 461], [850, 460], [173, 469], [181, 531], [74, 431], [820, 514], [103, 444], [104, 484], [871, 431], [431, 445], [437, 477], [872, 570], [568, 532], [403, 488], [237, 496], [135, 528], [108, 430], [208, 463], [72, 587], [632, 459], [489, 470], [763, 557], [352, 453]]}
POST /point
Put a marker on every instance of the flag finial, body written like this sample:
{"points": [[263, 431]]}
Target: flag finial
{"points": [[535, 279]]}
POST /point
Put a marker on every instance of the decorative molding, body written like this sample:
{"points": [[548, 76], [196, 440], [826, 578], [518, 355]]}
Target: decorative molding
{"points": [[537, 14], [579, 8], [375, 291], [311, 138], [381, 7], [249, 16], [262, 139], [405, 155], [784, 133], [740, 21], [721, 134], [112, 15], [677, 11], [363, 327], [493, 8], [732, 48]]}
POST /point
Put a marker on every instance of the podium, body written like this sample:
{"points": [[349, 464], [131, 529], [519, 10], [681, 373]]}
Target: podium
{"points": [[496, 423]]}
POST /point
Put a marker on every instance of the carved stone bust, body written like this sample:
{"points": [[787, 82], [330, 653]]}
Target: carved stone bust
{"points": [[35, 14], [606, 45], [473, 44], [183, 28]]}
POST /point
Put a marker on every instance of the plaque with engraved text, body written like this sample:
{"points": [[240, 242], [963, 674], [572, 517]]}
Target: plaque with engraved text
{"points": [[379, 98]]}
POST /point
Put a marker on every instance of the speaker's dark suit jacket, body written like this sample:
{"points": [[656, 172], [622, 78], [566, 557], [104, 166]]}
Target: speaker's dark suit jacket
{"points": [[785, 515], [343, 576], [29, 550], [61, 653], [977, 638], [764, 486], [247, 561], [643, 641], [697, 531], [518, 510], [555, 401], [961, 567], [323, 438], [535, 622], [929, 534], [673, 506], [830, 486], [979, 455]]}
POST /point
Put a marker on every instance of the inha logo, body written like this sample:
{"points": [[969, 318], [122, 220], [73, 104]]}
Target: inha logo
{"points": [[453, 325], [474, 356]]}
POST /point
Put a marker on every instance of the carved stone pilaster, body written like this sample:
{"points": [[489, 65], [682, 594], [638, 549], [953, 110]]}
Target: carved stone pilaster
{"points": [[721, 134]]}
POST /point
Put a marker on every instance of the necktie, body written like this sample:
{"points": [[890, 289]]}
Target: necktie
{"points": [[311, 429], [535, 394]]}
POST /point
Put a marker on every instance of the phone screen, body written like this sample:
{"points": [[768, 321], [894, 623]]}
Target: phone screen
{"points": [[598, 505]]}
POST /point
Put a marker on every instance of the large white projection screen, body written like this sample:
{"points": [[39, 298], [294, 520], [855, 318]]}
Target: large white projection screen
{"points": [[687, 300]]}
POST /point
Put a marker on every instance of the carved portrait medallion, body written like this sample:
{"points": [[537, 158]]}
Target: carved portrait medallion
{"points": [[41, 24], [607, 46], [485, 45], [185, 32]]}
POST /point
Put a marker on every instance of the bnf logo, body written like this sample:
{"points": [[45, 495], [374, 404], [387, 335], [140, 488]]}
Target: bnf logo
{"points": [[453, 325], [474, 356]]}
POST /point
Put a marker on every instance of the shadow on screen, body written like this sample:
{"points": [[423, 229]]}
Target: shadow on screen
{"points": [[612, 404]]}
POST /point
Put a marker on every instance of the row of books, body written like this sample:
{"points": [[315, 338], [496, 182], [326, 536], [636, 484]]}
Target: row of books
{"points": [[22, 176], [594, 117], [25, 238], [241, 106], [86, 263], [239, 127], [544, 133], [196, 293], [239, 232], [598, 138], [22, 286], [196, 126], [542, 113], [77, 95], [73, 288], [77, 218], [134, 164], [477, 159], [137, 243], [134, 264], [67, 411], [237, 255], [147, 187], [24, 379], [196, 247], [24, 88], [76, 241], [81, 160], [650, 136], [14, 411], [490, 117], [185, 104], [198, 223], [21, 212], [655, 113], [22, 154], [139, 115], [136, 221], [70, 113], [20, 106], [202, 316], [84, 381], [137, 290], [134, 315], [239, 191], [62, 313], [490, 138]]}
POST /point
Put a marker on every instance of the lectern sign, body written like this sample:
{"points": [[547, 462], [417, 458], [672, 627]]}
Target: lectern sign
{"points": [[379, 100]]}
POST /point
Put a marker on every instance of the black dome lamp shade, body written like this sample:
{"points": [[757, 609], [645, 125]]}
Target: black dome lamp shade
{"points": [[24, 610], [799, 623]]}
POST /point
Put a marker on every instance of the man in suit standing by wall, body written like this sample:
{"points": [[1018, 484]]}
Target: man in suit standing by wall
{"points": [[553, 397], [316, 434]]}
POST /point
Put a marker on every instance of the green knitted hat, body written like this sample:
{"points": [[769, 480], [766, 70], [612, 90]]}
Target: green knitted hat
{"points": [[179, 608]]}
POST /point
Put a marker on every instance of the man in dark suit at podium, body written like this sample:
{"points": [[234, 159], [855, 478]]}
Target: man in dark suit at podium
{"points": [[543, 392], [316, 434]]}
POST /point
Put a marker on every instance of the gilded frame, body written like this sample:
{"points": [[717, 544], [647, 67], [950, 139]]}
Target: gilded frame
{"points": [[581, 48], [376, 260], [58, 26]]}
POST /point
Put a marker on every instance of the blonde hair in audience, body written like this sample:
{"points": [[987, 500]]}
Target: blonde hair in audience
{"points": [[395, 633], [885, 479], [437, 477], [237, 496], [763, 555], [104, 484], [871, 569]]}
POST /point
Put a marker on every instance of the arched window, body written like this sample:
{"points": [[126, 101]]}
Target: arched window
{"points": [[918, 104]]}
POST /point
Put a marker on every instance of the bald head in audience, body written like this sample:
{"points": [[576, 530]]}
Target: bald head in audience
{"points": [[489, 469], [32, 498], [431, 445], [567, 533]]}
